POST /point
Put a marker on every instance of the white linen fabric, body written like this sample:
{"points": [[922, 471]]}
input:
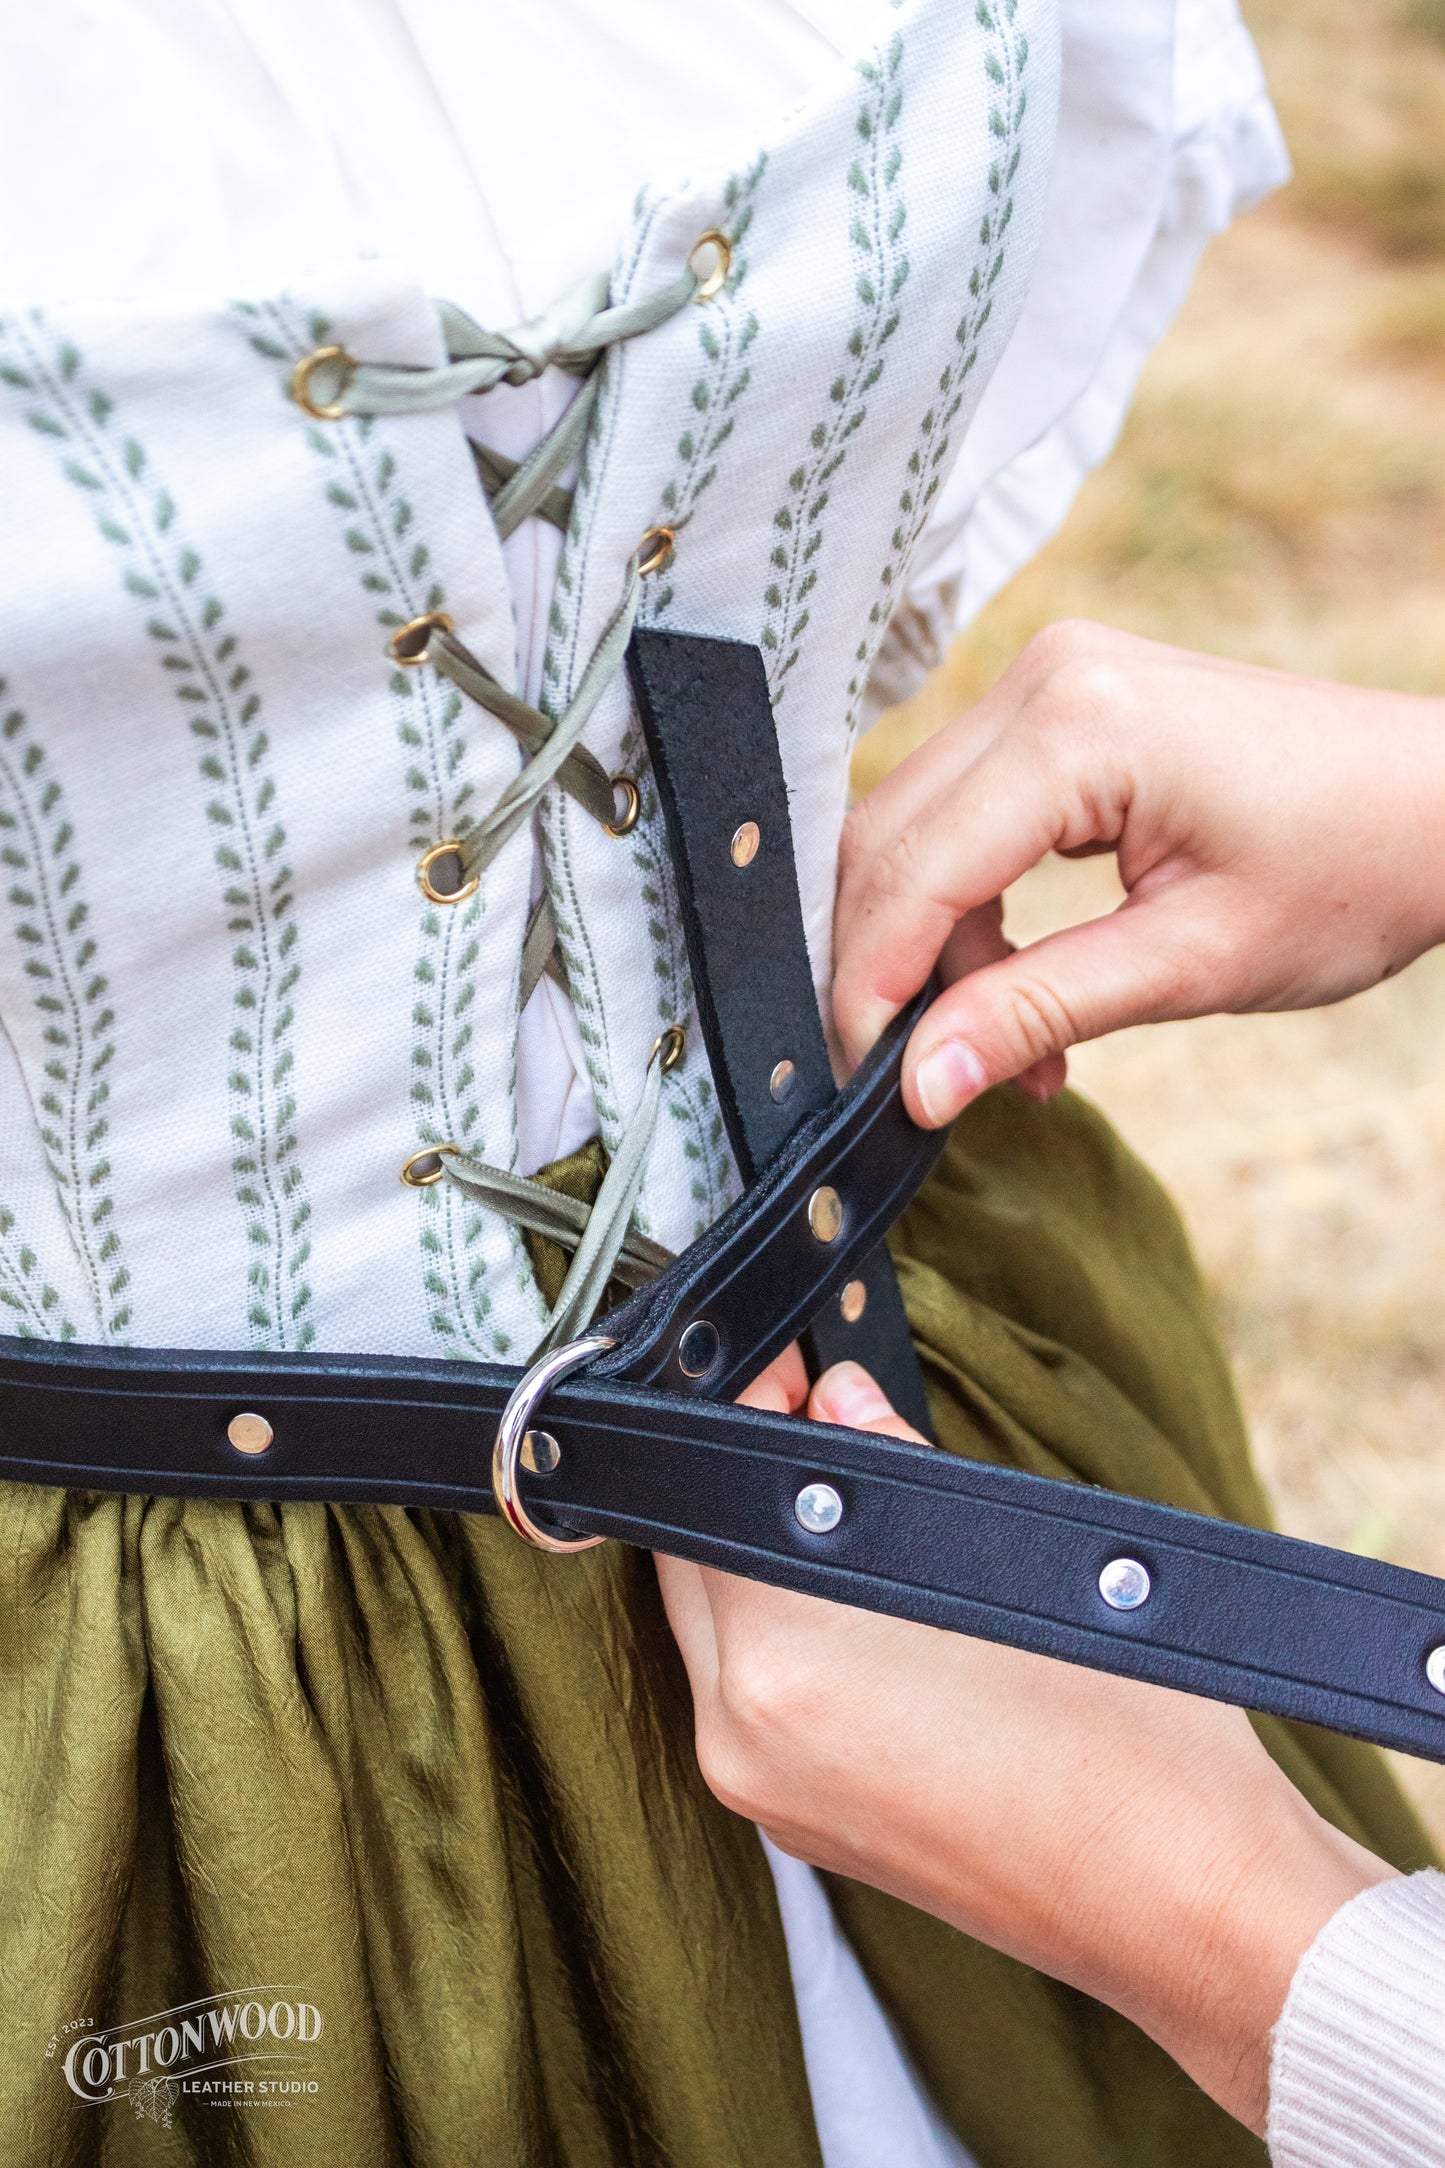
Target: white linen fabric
{"points": [[1357, 2075], [226, 1018], [496, 149]]}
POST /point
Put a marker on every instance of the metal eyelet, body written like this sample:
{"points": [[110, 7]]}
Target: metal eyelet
{"points": [[324, 357], [425, 1167], [403, 645], [669, 1047], [654, 550], [625, 819], [711, 282], [448, 849]]}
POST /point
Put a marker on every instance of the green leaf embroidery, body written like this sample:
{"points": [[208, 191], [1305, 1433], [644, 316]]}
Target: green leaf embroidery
{"points": [[365, 486], [135, 516]]}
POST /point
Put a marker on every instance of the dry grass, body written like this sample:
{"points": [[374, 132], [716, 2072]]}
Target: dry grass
{"points": [[1279, 494]]}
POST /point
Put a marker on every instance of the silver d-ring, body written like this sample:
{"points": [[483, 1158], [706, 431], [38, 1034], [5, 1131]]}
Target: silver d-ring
{"points": [[511, 1435]]}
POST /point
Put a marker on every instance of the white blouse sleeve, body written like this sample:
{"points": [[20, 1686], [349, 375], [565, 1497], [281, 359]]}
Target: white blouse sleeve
{"points": [[1166, 133], [1357, 2077]]}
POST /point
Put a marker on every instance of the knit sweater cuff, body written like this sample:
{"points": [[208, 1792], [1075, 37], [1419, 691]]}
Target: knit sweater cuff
{"points": [[1357, 2078]]}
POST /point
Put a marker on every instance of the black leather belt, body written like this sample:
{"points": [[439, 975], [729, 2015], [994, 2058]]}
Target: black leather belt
{"points": [[644, 1446]]}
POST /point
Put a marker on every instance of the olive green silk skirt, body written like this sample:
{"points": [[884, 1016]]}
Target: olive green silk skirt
{"points": [[441, 1790]]}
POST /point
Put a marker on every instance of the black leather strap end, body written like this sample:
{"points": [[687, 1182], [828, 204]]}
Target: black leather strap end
{"points": [[709, 727], [708, 720], [877, 1336]]}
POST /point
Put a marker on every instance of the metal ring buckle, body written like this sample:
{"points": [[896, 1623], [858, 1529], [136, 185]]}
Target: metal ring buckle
{"points": [[306, 368], [512, 1435]]}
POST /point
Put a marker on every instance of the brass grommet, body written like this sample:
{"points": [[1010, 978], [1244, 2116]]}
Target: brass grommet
{"points": [[403, 645], [448, 849], [250, 1433], [781, 1082], [625, 819], [670, 1047], [713, 281], [425, 1167], [303, 372], [745, 843], [853, 1301], [654, 550], [825, 1213]]}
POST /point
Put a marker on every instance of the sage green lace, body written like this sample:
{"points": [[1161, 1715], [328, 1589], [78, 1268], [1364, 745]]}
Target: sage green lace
{"points": [[573, 336], [606, 1245], [556, 754]]}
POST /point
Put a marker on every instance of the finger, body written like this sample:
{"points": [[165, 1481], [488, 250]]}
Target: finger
{"points": [[976, 940], [936, 765], [1044, 1080], [782, 1387], [979, 939], [1025, 797], [849, 1396], [689, 1614], [1148, 961]]}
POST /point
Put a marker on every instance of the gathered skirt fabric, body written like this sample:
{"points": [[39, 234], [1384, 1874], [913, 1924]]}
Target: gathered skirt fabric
{"points": [[442, 1789]]}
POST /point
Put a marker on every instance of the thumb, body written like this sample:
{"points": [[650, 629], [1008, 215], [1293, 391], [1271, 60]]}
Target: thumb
{"points": [[1147, 961], [848, 1396]]}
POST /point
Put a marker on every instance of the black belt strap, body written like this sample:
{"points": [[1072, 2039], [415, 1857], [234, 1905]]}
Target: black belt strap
{"points": [[709, 724], [1231, 1612]]}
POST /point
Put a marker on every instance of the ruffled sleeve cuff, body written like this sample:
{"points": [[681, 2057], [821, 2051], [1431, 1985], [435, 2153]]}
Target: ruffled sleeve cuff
{"points": [[1166, 134], [1357, 2078]]}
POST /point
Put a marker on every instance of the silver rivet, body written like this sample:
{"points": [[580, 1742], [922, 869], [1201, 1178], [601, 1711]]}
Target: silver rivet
{"points": [[697, 1350], [250, 1433], [825, 1214], [1435, 1668], [745, 843], [540, 1452], [853, 1301], [782, 1080], [818, 1508], [1124, 1584]]}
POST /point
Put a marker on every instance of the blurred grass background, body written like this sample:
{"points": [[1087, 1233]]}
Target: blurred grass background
{"points": [[1279, 495]]}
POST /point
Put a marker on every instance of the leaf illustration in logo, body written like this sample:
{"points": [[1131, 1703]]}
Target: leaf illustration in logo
{"points": [[154, 2098]]}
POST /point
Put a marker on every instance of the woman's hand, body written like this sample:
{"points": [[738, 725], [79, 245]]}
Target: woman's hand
{"points": [[1137, 1843], [1282, 841]]}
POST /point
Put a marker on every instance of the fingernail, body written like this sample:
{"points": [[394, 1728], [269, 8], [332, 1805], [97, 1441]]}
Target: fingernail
{"points": [[849, 1395], [947, 1079]]}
